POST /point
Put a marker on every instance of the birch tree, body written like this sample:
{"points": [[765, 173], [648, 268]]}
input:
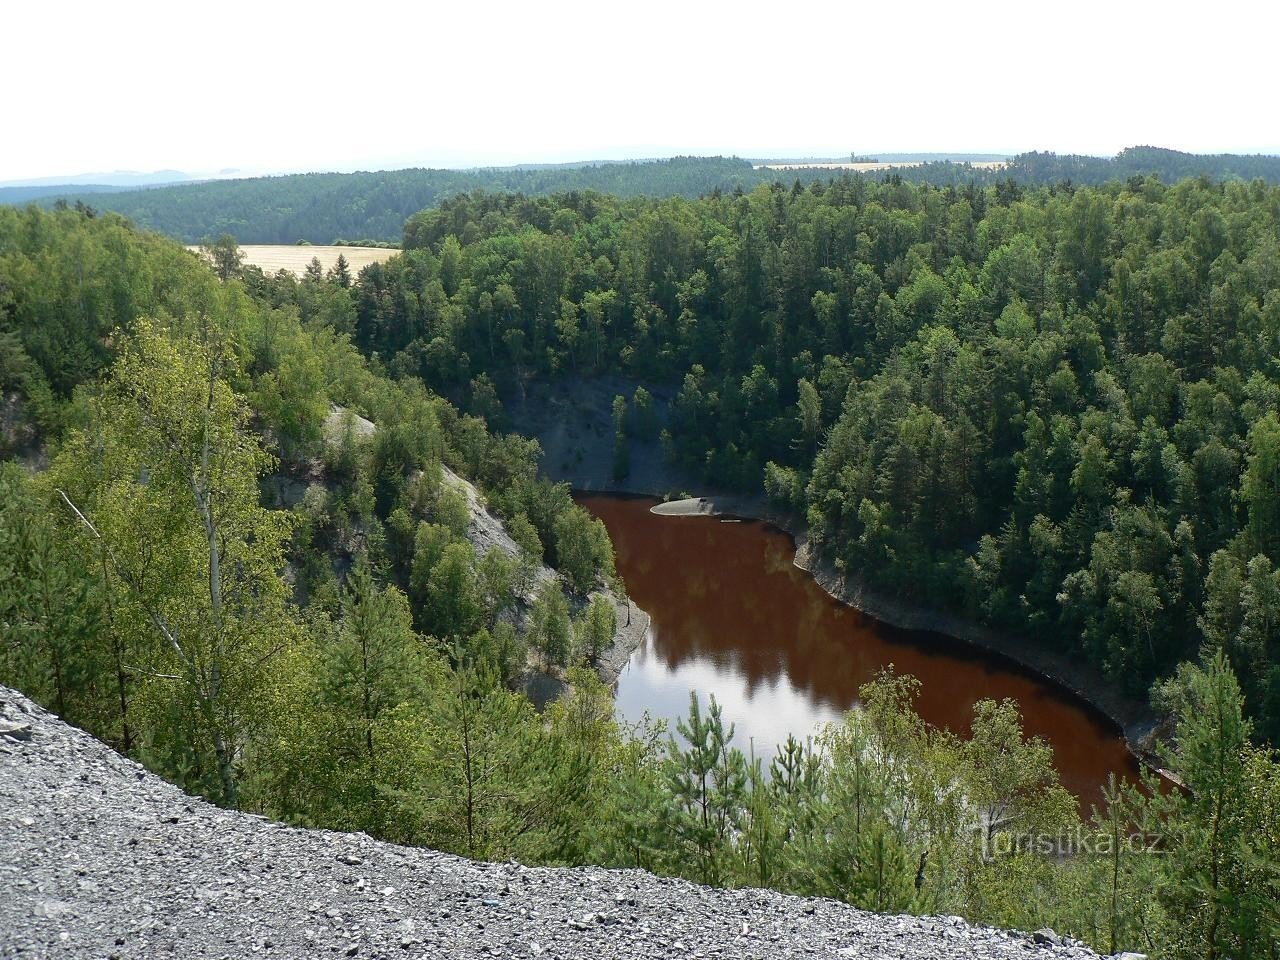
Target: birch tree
{"points": [[163, 482]]}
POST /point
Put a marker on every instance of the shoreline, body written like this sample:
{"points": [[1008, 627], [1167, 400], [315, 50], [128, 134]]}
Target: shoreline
{"points": [[633, 625], [572, 422], [542, 685], [1133, 720]]}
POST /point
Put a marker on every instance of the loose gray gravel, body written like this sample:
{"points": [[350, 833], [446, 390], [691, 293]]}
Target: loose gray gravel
{"points": [[101, 859]]}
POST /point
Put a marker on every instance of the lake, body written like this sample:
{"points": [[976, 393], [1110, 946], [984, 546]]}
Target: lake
{"points": [[733, 617]]}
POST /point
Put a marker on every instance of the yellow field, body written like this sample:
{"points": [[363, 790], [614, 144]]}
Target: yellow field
{"points": [[870, 167], [273, 257]]}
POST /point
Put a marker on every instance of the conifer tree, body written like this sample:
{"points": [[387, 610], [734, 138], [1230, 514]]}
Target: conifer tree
{"points": [[1222, 884], [705, 779]]}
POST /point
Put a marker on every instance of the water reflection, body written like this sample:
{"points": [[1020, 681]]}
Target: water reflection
{"points": [[733, 617]]}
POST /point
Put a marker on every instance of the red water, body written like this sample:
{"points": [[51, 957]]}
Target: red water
{"points": [[733, 617]]}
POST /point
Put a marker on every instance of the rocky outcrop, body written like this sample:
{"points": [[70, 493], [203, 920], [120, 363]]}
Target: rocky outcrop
{"points": [[101, 859], [572, 420], [341, 420], [486, 532], [19, 434]]}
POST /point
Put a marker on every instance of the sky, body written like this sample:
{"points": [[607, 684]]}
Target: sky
{"points": [[275, 86]]}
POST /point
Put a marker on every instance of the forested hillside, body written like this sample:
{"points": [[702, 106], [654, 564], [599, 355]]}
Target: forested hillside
{"points": [[275, 605], [212, 548], [1169, 165], [322, 207], [1056, 410]]}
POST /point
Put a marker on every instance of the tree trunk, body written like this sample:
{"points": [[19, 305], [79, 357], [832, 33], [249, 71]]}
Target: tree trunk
{"points": [[223, 750], [117, 654]]}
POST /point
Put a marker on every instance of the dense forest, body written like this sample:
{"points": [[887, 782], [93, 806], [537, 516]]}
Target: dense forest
{"points": [[322, 207], [1169, 165], [1054, 410], [230, 546]]}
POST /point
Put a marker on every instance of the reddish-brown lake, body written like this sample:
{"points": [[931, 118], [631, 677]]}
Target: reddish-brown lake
{"points": [[734, 618]]}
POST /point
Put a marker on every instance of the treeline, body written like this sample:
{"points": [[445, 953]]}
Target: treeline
{"points": [[1055, 410], [1169, 165], [341, 662], [35, 192], [319, 207]]}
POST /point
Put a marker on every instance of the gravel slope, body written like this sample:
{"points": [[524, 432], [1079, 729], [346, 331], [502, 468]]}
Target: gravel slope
{"points": [[98, 858]]}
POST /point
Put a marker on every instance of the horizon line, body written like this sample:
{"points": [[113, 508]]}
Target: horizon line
{"points": [[239, 173]]}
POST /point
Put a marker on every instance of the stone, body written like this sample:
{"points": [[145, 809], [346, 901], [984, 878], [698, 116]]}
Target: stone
{"points": [[15, 731], [110, 855]]}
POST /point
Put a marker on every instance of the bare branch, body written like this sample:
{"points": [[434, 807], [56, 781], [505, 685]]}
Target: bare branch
{"points": [[83, 519], [142, 671]]}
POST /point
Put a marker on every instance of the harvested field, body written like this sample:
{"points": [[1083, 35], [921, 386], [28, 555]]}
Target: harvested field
{"points": [[294, 258]]}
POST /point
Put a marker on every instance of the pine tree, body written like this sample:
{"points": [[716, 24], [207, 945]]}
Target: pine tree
{"points": [[477, 778], [1220, 833], [705, 779], [340, 273], [56, 642], [453, 603], [374, 663]]}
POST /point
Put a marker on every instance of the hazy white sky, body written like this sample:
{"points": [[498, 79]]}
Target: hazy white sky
{"points": [[272, 86]]}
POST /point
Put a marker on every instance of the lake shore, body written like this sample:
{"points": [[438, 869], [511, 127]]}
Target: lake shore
{"points": [[572, 423], [633, 624]]}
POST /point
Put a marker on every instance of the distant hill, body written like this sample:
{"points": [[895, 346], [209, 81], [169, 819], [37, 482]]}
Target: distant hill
{"points": [[911, 158], [119, 181], [30, 194], [324, 207], [1169, 165], [117, 178]]}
